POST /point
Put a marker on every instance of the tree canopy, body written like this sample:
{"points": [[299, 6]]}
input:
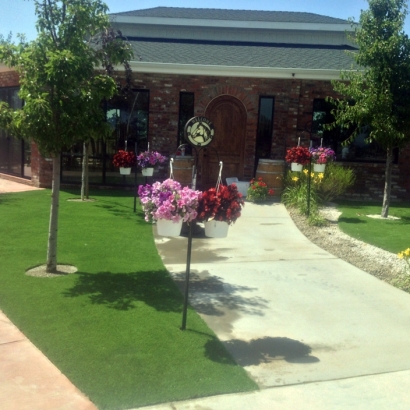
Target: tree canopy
{"points": [[65, 74], [377, 93], [59, 83]]}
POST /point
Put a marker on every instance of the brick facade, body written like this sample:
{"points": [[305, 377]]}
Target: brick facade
{"points": [[293, 110], [8, 78]]}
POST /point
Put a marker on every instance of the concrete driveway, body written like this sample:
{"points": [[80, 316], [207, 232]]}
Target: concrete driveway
{"points": [[294, 315]]}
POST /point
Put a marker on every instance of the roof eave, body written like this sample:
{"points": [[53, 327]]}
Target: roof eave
{"points": [[162, 21], [234, 71]]}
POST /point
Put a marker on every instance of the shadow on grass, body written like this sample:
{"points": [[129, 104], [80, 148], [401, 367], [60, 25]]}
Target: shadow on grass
{"points": [[266, 350], [214, 297], [351, 220], [122, 291]]}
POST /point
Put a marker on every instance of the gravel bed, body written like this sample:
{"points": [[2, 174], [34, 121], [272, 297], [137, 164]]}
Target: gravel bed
{"points": [[378, 262]]}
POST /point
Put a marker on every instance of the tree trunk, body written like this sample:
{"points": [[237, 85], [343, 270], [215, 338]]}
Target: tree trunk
{"points": [[53, 227], [84, 173], [387, 183]]}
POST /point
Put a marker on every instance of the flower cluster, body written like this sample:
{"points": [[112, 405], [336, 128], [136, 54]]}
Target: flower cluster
{"points": [[258, 191], [322, 155], [299, 155], [124, 159], [149, 159], [406, 256], [222, 204], [167, 200]]}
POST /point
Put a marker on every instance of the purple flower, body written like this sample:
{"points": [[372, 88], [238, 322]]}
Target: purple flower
{"points": [[167, 200], [150, 159]]}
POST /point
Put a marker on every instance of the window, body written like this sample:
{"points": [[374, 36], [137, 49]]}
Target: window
{"points": [[128, 118], [186, 111], [15, 154], [358, 150], [265, 128]]}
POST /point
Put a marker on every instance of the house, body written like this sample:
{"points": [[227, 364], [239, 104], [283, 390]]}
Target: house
{"points": [[261, 77]]}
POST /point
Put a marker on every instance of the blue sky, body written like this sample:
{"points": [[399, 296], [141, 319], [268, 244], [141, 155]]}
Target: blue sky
{"points": [[18, 16]]}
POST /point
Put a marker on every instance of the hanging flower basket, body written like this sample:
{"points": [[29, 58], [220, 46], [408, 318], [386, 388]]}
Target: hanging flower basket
{"points": [[147, 172], [125, 171], [168, 201], [124, 159], [150, 159], [220, 205], [216, 229], [167, 227], [319, 167], [322, 155], [300, 155], [294, 166]]}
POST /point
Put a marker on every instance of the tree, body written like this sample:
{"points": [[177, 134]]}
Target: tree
{"points": [[60, 85], [377, 94]]}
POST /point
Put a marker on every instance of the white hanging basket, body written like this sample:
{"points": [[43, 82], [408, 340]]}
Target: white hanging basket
{"points": [[125, 171], [319, 167], [294, 166], [166, 227], [147, 172], [216, 229]]}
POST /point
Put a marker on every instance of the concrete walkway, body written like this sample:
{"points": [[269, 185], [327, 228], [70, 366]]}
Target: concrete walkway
{"points": [[313, 331]]}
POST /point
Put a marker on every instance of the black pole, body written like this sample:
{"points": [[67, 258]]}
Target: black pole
{"points": [[308, 193], [135, 181], [188, 267]]}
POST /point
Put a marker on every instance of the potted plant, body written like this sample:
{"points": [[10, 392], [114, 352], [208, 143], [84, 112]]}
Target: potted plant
{"points": [[218, 208], [124, 160], [258, 191], [148, 160], [298, 156], [169, 205], [320, 157]]}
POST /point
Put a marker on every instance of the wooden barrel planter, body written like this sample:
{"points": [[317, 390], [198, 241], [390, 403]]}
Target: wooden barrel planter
{"points": [[182, 168], [272, 172]]}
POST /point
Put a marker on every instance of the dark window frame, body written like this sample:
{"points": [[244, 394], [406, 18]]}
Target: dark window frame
{"points": [[263, 141], [24, 153], [182, 119], [357, 151]]}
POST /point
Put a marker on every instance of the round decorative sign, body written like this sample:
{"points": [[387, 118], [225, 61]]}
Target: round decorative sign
{"points": [[199, 131]]}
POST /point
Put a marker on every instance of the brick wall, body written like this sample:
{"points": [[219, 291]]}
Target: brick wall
{"points": [[9, 79], [293, 110]]}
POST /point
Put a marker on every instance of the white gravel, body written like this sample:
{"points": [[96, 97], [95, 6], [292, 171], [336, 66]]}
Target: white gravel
{"points": [[378, 262]]}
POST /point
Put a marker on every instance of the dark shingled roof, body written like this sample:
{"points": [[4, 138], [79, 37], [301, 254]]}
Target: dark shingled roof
{"points": [[235, 15], [241, 54]]}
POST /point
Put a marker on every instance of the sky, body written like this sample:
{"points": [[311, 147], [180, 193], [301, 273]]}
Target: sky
{"points": [[17, 16]]}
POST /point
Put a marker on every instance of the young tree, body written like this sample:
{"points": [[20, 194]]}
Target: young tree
{"points": [[378, 93], [60, 85]]}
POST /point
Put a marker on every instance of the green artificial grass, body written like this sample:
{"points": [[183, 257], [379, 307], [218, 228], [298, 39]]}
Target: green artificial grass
{"points": [[113, 328], [388, 234]]}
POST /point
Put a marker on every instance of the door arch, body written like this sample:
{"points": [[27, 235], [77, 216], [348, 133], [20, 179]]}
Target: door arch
{"points": [[229, 118]]}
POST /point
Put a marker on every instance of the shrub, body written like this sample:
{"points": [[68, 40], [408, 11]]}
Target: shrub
{"points": [[337, 179], [323, 188], [258, 191]]}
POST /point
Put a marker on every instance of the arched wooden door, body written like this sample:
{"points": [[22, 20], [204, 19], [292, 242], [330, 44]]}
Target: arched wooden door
{"points": [[228, 116]]}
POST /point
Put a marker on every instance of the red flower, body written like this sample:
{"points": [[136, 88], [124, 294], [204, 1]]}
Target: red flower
{"points": [[301, 155], [221, 205]]}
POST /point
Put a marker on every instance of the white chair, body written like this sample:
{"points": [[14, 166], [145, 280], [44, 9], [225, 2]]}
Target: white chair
{"points": [[242, 185]]}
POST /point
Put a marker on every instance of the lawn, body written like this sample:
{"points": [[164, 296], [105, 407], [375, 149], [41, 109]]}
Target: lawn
{"points": [[113, 328], [391, 235]]}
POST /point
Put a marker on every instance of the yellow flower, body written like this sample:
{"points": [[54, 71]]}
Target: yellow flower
{"points": [[305, 171], [321, 175], [295, 179], [400, 255], [407, 252]]}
